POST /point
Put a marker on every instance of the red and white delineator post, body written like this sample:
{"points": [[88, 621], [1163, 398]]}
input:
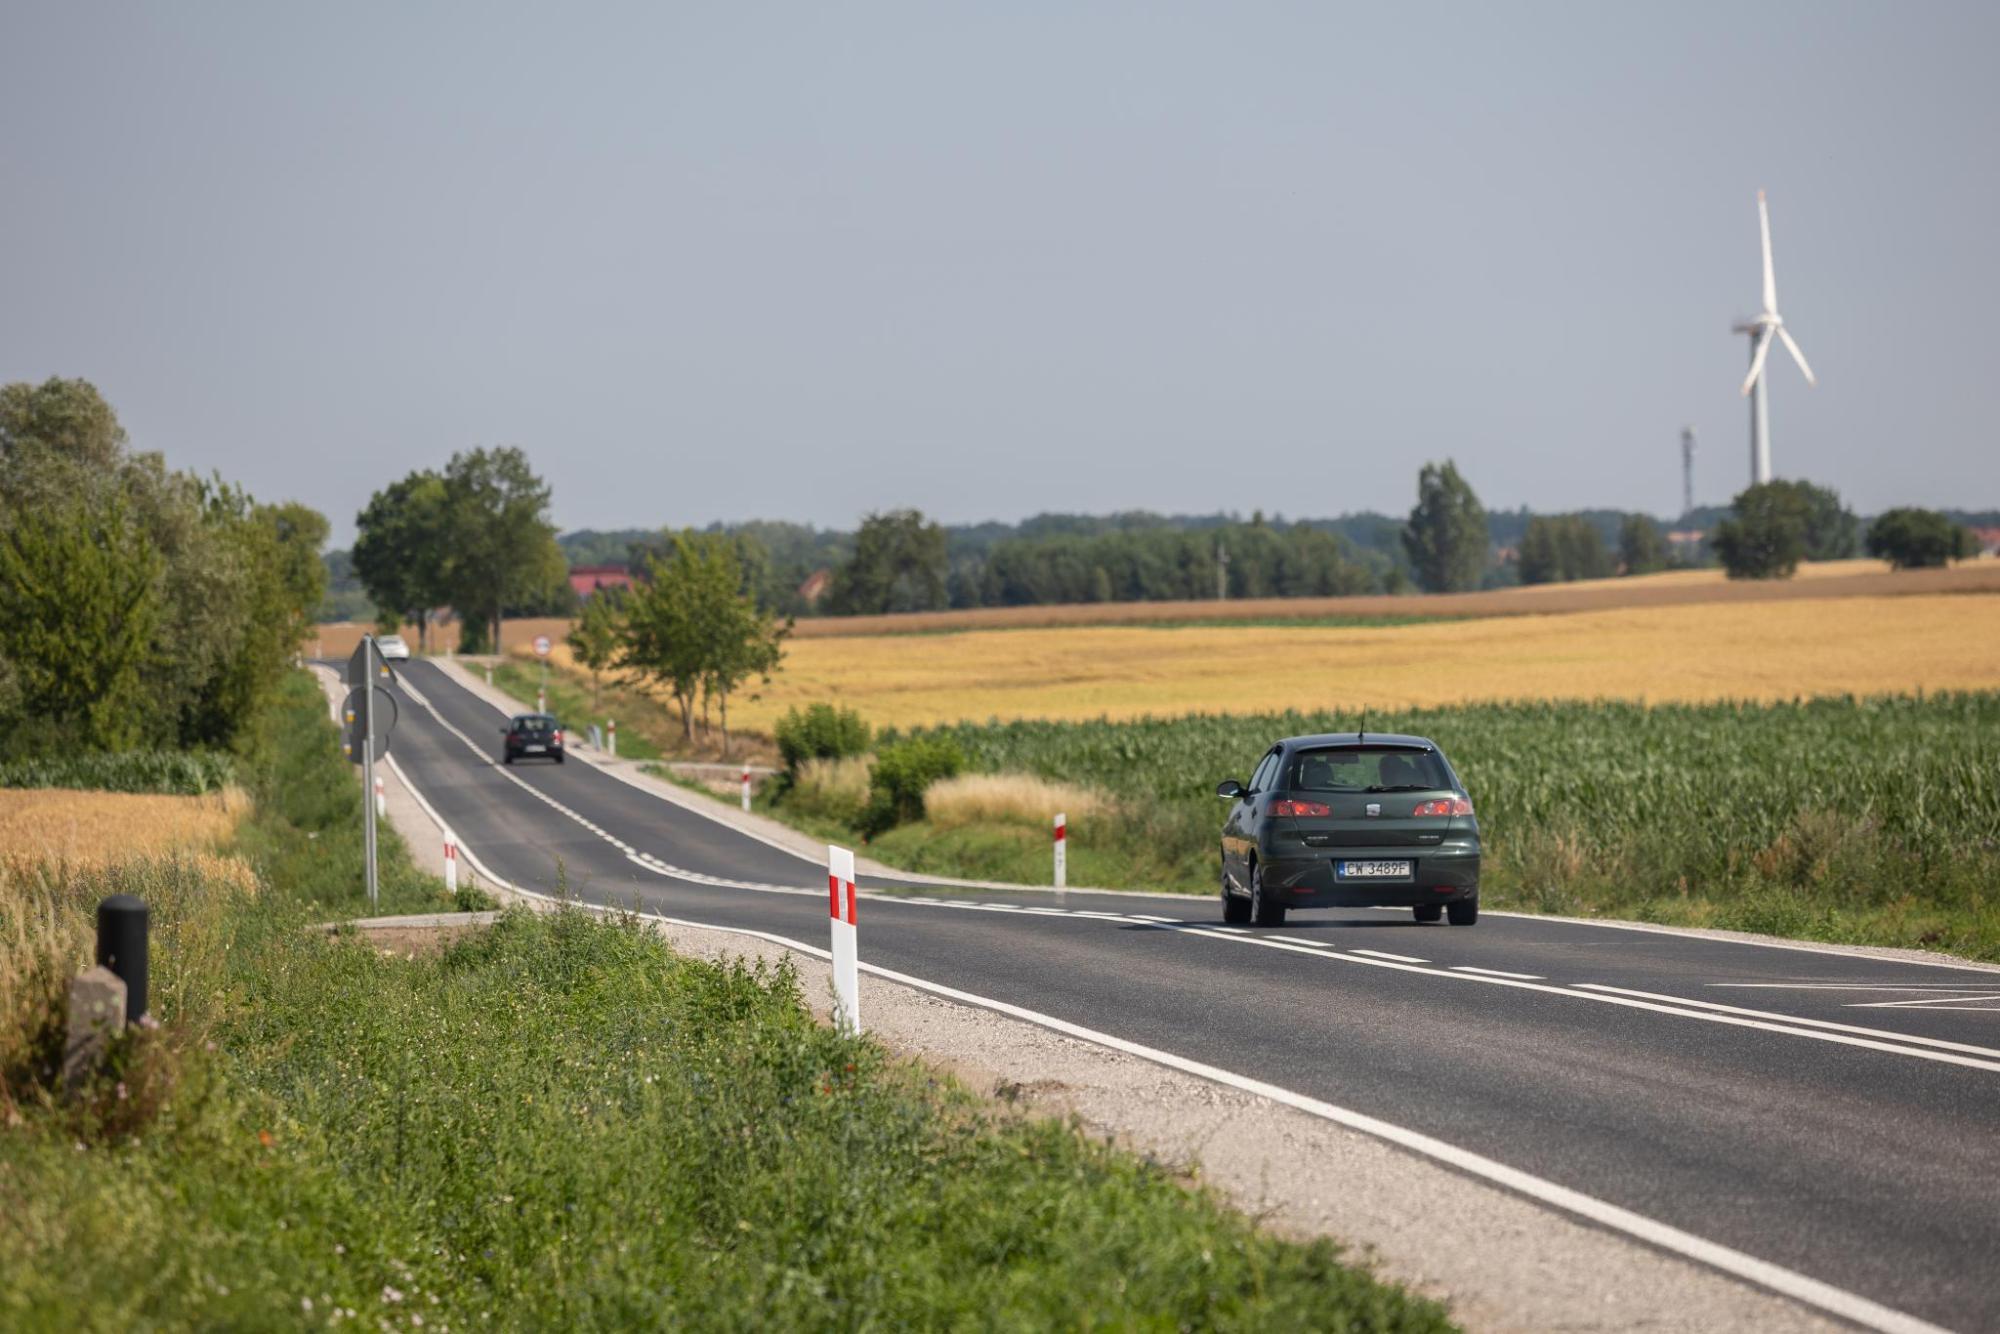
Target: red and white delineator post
{"points": [[746, 788], [846, 956], [611, 738], [450, 862], [1062, 847], [381, 800]]}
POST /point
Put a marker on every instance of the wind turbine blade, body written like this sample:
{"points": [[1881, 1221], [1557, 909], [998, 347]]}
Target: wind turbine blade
{"points": [[1797, 355], [1770, 278], [1757, 358]]}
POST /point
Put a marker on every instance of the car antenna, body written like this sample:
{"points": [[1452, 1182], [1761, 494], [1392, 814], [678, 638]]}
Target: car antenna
{"points": [[1362, 735]]}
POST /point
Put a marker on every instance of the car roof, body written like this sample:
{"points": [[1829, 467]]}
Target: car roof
{"points": [[1323, 739], [534, 717]]}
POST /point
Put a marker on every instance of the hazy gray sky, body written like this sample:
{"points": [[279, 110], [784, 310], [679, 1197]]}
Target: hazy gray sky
{"points": [[739, 260]]}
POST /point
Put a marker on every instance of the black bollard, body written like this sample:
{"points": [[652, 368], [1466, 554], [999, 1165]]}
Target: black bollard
{"points": [[121, 947]]}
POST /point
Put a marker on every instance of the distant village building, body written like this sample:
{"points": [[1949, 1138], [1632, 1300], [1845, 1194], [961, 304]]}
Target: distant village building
{"points": [[815, 586], [1686, 537], [1988, 541], [587, 579]]}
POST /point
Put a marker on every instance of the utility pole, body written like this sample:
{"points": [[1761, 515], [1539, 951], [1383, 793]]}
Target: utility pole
{"points": [[1687, 470], [1221, 572]]}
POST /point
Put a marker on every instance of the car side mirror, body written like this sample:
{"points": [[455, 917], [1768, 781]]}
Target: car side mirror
{"points": [[1230, 788]]}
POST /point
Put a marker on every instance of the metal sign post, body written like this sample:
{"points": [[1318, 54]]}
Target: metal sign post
{"points": [[368, 729]]}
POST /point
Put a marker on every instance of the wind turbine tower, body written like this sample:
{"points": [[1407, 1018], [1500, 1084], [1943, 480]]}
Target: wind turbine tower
{"points": [[1761, 329], [1687, 470]]}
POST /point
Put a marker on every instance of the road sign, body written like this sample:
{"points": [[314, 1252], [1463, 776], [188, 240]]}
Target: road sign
{"points": [[354, 723], [541, 646]]}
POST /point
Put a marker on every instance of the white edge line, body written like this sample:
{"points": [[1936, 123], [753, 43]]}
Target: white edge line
{"points": [[1812, 1292], [1402, 958], [1495, 972], [1798, 1019]]}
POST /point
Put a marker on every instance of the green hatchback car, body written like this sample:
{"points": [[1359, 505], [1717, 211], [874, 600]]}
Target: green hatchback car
{"points": [[1350, 820]]}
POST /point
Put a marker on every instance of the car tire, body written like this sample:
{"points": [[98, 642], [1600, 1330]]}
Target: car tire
{"points": [[1429, 912], [1262, 911], [507, 758], [559, 759], [1235, 909], [1463, 914]]}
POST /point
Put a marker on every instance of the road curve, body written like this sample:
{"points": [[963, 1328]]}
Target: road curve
{"points": [[1834, 1115]]}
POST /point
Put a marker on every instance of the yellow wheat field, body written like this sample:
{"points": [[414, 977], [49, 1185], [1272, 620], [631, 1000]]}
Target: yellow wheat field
{"points": [[1763, 651], [96, 829]]}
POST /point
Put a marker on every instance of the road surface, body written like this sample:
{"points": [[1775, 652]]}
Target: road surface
{"points": [[1834, 1115]]}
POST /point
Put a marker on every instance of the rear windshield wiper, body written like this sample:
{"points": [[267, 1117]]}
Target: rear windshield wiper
{"points": [[1402, 787]]}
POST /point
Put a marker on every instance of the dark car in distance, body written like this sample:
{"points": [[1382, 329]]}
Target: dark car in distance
{"points": [[1350, 820], [532, 734]]}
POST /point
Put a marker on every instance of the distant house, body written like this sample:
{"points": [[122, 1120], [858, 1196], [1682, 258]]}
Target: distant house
{"points": [[815, 586], [587, 579], [1987, 540], [1686, 537]]}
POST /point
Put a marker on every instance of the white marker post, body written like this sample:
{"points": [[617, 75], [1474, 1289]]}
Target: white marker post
{"points": [[746, 789], [381, 801], [611, 738], [450, 862], [1062, 846], [846, 953]]}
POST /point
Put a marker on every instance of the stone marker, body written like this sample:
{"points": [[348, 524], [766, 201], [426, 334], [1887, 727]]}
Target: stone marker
{"points": [[96, 1016]]}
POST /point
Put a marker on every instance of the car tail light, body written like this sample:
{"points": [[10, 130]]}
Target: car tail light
{"points": [[1289, 807], [558, 740], [1443, 806]]}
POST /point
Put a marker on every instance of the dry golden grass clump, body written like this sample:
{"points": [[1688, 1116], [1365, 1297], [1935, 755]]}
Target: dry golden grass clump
{"points": [[60, 853], [1010, 799]]}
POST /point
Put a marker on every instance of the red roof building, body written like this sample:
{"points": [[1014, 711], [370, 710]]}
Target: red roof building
{"points": [[587, 579]]}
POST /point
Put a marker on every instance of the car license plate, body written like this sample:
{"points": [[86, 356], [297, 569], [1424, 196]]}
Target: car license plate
{"points": [[533, 750], [1374, 870]]}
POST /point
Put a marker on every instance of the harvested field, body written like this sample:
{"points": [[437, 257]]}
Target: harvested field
{"points": [[1752, 651], [1832, 579]]}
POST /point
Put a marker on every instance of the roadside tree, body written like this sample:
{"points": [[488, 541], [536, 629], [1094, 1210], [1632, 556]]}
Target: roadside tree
{"points": [[1916, 539], [1445, 537], [402, 550], [597, 635], [503, 547]]}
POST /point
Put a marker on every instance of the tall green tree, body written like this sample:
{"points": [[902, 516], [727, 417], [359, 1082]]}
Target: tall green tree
{"points": [[1445, 537], [1764, 536], [79, 617], [402, 549], [900, 563], [1916, 539], [595, 638], [1832, 531], [1642, 548], [503, 547]]}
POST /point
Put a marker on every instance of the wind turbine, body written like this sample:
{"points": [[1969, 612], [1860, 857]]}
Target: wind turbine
{"points": [[1760, 330]]}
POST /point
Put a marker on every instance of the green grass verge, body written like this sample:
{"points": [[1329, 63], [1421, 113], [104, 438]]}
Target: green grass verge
{"points": [[1864, 821], [561, 1124]]}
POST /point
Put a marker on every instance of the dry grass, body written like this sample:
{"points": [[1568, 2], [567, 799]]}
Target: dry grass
{"points": [[60, 852], [1758, 651], [972, 799]]}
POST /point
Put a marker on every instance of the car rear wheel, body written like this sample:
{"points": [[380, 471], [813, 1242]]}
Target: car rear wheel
{"points": [[1262, 910], [1429, 912], [1463, 914], [1235, 909], [559, 758]]}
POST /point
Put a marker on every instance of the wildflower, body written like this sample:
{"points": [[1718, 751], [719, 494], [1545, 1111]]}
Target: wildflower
{"points": [[306, 1305], [263, 1136], [122, 1092], [390, 1295]]}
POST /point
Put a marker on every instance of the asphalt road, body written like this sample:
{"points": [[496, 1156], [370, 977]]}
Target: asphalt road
{"points": [[1835, 1115]]}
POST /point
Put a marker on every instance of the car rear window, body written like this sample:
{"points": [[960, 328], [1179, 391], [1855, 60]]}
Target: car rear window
{"points": [[534, 724], [1367, 769]]}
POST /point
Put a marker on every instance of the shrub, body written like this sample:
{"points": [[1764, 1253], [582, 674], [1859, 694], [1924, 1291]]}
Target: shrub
{"points": [[902, 772], [189, 773], [1915, 539], [820, 732]]}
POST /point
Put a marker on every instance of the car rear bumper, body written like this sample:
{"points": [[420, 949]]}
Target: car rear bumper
{"points": [[1440, 874]]}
